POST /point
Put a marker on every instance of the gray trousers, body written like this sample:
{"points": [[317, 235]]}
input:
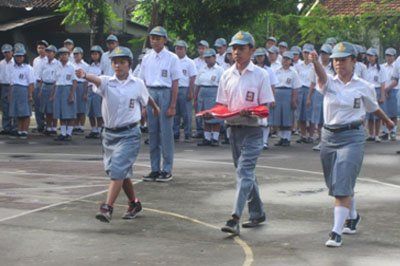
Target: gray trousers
{"points": [[247, 144]]}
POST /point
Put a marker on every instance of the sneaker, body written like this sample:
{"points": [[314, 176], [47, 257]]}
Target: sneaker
{"points": [[92, 135], [188, 139], [370, 139], [385, 136], [5, 132], [286, 143], [279, 143], [144, 129], [151, 177], [133, 210], [317, 147], [377, 139], [302, 140], [176, 138], [68, 138], [147, 141], [350, 227], [198, 136], [231, 226], [274, 135], [214, 143], [254, 222], [23, 135], [105, 213], [392, 136], [60, 138], [226, 141], [265, 147], [53, 132], [335, 240], [47, 132], [13, 135], [164, 177], [205, 142], [310, 140]]}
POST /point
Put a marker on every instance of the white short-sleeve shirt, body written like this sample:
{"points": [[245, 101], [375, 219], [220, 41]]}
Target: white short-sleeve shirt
{"points": [[188, 70], [65, 74], [209, 76], [347, 103], [105, 63], [160, 69], [306, 74], [48, 71], [81, 65], [22, 75], [220, 59], [389, 72], [200, 63], [272, 77], [37, 65], [276, 65], [249, 89], [360, 69], [375, 76], [288, 78], [5, 70], [122, 100]]}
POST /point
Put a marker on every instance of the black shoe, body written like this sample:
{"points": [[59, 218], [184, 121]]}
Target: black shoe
{"points": [[226, 142], [68, 138], [265, 147], [335, 240], [198, 136], [232, 227], [60, 138], [370, 139], [164, 177], [214, 143], [105, 213], [205, 142], [350, 227], [188, 139], [5, 132], [13, 135], [92, 135], [254, 222], [47, 132], [309, 140], [151, 177], [286, 143], [133, 209], [176, 138], [22, 135], [279, 143], [144, 129], [302, 140], [147, 141], [385, 136]]}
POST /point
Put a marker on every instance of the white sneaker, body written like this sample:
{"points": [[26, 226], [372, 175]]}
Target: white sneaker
{"points": [[377, 139], [334, 241], [317, 147]]}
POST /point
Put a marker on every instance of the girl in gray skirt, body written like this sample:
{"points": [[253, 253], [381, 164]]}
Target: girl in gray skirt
{"points": [[347, 99]]}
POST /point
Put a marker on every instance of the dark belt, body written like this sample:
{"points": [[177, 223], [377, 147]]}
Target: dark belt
{"points": [[48, 83], [283, 88], [355, 125], [159, 87], [5, 84], [120, 129]]}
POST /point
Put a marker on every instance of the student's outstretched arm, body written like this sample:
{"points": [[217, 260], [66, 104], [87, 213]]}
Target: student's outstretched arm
{"points": [[80, 73]]}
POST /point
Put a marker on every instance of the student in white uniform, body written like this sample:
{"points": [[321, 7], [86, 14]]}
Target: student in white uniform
{"points": [[271, 41], [21, 92], [283, 47], [391, 92], [360, 69], [184, 106], [261, 60], [6, 65], [305, 96], [69, 44], [375, 75], [245, 85], [296, 51], [273, 53], [106, 68], [94, 100], [221, 46], [81, 91], [123, 96], [228, 58], [48, 77], [161, 71], [347, 98], [206, 92], [136, 71], [36, 65]]}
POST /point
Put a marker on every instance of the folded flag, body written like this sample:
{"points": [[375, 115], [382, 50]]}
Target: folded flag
{"points": [[222, 112]]}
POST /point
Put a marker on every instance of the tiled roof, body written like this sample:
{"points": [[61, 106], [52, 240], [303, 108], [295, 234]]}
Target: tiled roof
{"points": [[358, 7], [52, 4]]}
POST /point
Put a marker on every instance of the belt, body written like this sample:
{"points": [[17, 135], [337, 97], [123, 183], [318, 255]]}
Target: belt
{"points": [[355, 125], [159, 87], [241, 126], [5, 84], [120, 129], [283, 88], [48, 83]]}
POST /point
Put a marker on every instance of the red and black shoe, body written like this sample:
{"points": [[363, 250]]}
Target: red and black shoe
{"points": [[105, 213], [134, 208]]}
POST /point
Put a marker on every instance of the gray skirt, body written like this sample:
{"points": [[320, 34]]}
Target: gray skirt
{"points": [[371, 116], [94, 105], [81, 105], [206, 100], [46, 106], [19, 104], [342, 155], [120, 151], [62, 108], [282, 115], [391, 107], [304, 112], [317, 116]]}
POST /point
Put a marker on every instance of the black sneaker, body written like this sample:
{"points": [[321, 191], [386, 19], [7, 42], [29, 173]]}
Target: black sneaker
{"points": [[370, 139], [214, 143], [254, 222], [133, 209], [265, 147], [231, 226], [279, 143], [164, 177], [151, 177], [335, 240], [198, 136], [286, 143], [147, 141], [144, 129], [5, 132], [60, 138], [385, 136], [92, 135], [23, 135], [205, 142], [309, 140], [350, 227], [302, 140], [105, 213]]}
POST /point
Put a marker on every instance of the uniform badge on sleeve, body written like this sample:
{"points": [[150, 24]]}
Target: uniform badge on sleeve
{"points": [[21, 76], [250, 96], [357, 103], [164, 73], [132, 103]]}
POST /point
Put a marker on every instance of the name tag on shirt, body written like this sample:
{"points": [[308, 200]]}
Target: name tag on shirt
{"points": [[68, 77], [288, 81], [164, 73], [357, 103], [213, 78], [21, 76], [376, 78], [132, 103], [250, 96], [184, 72]]}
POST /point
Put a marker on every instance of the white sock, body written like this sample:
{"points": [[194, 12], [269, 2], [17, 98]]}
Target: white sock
{"points": [[69, 130], [63, 130], [26, 132], [353, 211], [215, 135], [228, 132], [340, 215], [207, 135], [265, 131], [394, 130]]}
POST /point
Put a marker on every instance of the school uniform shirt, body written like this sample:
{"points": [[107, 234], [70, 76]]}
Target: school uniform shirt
{"points": [[65, 74], [37, 65], [160, 69], [95, 69], [188, 70], [81, 65], [389, 71], [328, 69], [375, 76], [122, 100], [220, 59], [48, 70], [71, 58], [288, 78], [105, 63], [306, 74], [209, 76], [347, 103], [136, 71], [272, 77], [280, 58], [249, 89], [360, 69], [276, 65], [5, 70], [22, 75], [297, 63], [200, 63]]}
